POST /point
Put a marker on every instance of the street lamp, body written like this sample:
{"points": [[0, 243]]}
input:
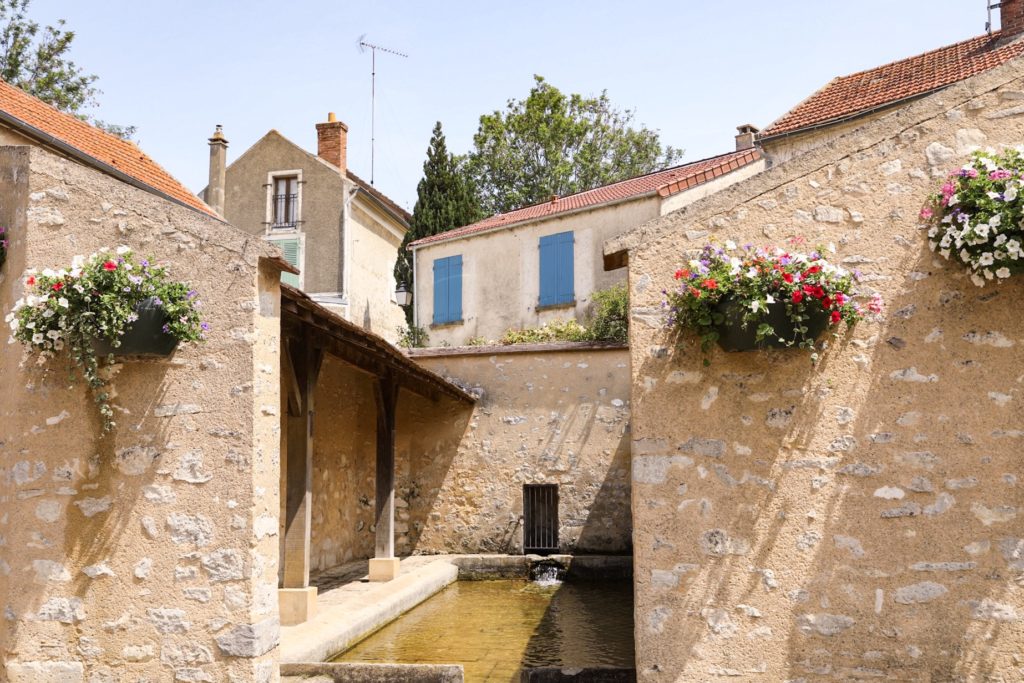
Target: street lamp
{"points": [[402, 295]]}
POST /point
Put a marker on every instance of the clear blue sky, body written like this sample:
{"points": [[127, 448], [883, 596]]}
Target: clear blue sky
{"points": [[693, 69]]}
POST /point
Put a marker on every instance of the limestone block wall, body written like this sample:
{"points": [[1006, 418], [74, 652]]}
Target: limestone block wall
{"points": [[150, 554], [862, 518], [544, 417]]}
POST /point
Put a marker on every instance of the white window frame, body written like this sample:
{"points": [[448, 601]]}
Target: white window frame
{"points": [[269, 214]]}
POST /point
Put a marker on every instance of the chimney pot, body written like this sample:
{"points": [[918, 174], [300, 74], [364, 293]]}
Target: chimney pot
{"points": [[1011, 17], [745, 137], [332, 141], [218, 170]]}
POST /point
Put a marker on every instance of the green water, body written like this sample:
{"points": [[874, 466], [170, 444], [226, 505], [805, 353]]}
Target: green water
{"points": [[493, 628]]}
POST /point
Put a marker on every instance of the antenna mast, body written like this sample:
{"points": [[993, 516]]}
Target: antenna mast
{"points": [[363, 46]]}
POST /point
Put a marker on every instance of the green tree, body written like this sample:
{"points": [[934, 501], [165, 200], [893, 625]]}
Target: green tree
{"points": [[35, 59], [445, 199], [557, 144]]}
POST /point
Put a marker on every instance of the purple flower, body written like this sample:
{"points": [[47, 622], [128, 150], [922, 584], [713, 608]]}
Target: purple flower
{"points": [[145, 263], [204, 326], [166, 328], [192, 294], [157, 301]]}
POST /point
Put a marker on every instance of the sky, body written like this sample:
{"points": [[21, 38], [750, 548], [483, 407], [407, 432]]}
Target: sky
{"points": [[691, 69]]}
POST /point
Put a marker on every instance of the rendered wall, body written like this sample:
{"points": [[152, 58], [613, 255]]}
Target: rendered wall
{"points": [[862, 518], [501, 273], [371, 285], [148, 554]]}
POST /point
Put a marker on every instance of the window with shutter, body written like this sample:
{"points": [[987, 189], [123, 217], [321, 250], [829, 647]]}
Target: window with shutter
{"points": [[556, 269], [290, 248], [447, 290]]}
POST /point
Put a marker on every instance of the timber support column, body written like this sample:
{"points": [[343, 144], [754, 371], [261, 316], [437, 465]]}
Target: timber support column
{"points": [[384, 565], [296, 599]]}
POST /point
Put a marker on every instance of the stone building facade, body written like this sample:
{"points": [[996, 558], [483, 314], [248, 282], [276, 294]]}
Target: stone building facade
{"points": [[150, 553], [857, 518], [339, 231]]}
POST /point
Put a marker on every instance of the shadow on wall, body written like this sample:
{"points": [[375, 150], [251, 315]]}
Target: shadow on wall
{"points": [[611, 509], [888, 550]]}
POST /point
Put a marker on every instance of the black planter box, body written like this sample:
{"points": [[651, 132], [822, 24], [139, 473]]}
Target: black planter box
{"points": [[145, 336], [733, 336]]}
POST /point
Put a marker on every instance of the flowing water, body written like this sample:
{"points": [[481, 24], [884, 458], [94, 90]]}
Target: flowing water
{"points": [[494, 628]]}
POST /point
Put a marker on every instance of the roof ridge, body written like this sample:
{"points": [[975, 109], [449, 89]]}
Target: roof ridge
{"points": [[994, 36]]}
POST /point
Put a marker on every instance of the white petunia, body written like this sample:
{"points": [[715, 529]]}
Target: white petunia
{"points": [[62, 302], [995, 220], [1011, 193], [53, 334], [48, 313], [729, 245], [122, 250], [37, 338], [1003, 273], [953, 199], [14, 325], [986, 259], [769, 299], [977, 279], [988, 274], [49, 272], [994, 195], [752, 273], [755, 305], [77, 261]]}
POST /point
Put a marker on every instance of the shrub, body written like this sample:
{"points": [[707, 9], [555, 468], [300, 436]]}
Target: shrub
{"points": [[610, 321], [412, 337], [559, 331]]}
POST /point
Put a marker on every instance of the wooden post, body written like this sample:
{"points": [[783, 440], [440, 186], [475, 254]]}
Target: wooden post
{"points": [[384, 566], [304, 361]]}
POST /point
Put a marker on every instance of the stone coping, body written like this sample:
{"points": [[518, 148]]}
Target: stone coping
{"points": [[498, 349], [325, 672]]}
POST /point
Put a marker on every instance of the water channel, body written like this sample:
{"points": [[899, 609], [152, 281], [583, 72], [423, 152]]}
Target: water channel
{"points": [[494, 628]]}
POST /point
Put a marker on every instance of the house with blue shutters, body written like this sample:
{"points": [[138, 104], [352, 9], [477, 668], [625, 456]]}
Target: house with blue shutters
{"points": [[340, 232], [542, 263]]}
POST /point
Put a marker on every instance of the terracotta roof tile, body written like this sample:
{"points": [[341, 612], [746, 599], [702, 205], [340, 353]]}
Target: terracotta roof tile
{"points": [[859, 93], [663, 183], [103, 147]]}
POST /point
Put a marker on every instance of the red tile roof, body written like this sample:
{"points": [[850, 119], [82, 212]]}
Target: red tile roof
{"points": [[859, 93], [39, 117], [663, 183]]}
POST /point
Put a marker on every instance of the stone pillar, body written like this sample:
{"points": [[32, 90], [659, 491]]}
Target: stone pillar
{"points": [[384, 565], [296, 599], [218, 170]]}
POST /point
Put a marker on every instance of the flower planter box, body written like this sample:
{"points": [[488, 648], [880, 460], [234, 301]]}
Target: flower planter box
{"points": [[145, 337], [733, 336]]}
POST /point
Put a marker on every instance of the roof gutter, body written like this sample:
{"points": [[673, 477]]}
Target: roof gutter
{"points": [[571, 212], [380, 205], [89, 160]]}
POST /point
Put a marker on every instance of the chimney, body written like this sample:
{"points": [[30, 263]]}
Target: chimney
{"points": [[332, 142], [1011, 17], [747, 133], [218, 165]]}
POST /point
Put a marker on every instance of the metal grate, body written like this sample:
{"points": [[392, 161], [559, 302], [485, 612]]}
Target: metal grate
{"points": [[540, 518], [284, 210]]}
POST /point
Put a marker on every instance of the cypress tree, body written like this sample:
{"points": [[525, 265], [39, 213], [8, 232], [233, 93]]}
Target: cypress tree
{"points": [[445, 200]]}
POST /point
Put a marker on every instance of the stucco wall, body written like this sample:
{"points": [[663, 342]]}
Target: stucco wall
{"points": [[501, 272], [346, 248], [149, 554], [858, 518], [681, 199]]}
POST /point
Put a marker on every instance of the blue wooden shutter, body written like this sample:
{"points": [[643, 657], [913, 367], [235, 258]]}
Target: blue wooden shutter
{"points": [[440, 290], [290, 248], [454, 288], [556, 269]]}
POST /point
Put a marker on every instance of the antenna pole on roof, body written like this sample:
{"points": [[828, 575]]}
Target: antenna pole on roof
{"points": [[363, 46], [991, 6]]}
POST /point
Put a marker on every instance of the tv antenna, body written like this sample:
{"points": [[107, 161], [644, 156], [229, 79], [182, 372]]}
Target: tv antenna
{"points": [[363, 46]]}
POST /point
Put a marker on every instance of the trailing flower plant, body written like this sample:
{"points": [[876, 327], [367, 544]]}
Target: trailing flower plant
{"points": [[976, 217], [758, 278], [96, 299]]}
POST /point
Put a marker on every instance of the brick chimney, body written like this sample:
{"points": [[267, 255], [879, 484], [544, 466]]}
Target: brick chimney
{"points": [[218, 165], [332, 142], [1011, 17], [746, 135]]}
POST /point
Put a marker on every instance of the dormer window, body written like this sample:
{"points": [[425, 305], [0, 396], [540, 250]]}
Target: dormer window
{"points": [[285, 203]]}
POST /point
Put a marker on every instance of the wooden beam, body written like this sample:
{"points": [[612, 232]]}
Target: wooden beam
{"points": [[386, 395], [304, 360]]}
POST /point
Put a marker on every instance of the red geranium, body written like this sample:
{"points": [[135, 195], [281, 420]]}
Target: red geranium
{"points": [[836, 316], [30, 280], [57, 286], [826, 303], [710, 284], [109, 265], [788, 277], [798, 296]]}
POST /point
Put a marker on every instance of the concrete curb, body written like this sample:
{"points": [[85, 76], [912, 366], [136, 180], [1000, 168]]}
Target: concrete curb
{"points": [[335, 629]]}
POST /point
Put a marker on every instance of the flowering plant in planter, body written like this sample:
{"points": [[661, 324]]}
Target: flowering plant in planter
{"points": [[775, 297], [976, 217], [94, 304]]}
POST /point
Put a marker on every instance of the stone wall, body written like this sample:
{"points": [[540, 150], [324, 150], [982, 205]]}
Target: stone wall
{"points": [[860, 518], [149, 554], [543, 417]]}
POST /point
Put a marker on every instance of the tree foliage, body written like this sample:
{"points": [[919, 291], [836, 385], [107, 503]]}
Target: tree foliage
{"points": [[445, 199], [35, 58], [557, 144]]}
